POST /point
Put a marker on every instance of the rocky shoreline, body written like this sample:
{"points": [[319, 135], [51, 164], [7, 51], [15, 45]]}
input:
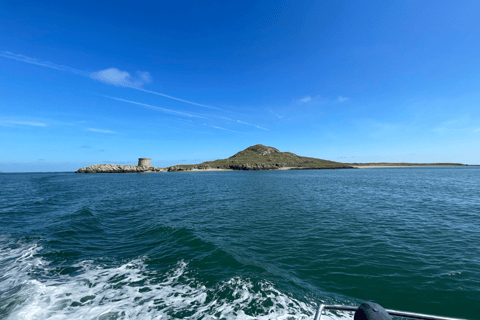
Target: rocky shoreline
{"points": [[115, 168]]}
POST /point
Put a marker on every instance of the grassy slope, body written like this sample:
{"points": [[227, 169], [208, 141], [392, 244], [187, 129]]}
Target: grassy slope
{"points": [[260, 157]]}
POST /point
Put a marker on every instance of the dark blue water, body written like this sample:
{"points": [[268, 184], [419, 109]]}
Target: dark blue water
{"points": [[248, 245]]}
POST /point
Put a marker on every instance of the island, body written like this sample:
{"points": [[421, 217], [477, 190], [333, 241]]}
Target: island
{"points": [[257, 157]]}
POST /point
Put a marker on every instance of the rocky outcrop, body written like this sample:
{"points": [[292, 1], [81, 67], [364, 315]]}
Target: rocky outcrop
{"points": [[177, 169], [253, 166], [115, 168]]}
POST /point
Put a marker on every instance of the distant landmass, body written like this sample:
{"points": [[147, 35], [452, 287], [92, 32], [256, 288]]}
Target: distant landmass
{"points": [[406, 164], [257, 157]]}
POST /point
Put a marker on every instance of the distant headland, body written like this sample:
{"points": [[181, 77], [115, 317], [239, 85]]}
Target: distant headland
{"points": [[257, 157]]}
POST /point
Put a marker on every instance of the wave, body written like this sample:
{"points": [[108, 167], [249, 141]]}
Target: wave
{"points": [[32, 289]]}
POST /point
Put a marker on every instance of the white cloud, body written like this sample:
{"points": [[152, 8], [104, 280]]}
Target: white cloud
{"points": [[122, 78], [318, 99], [30, 123], [312, 101], [101, 130], [476, 130], [224, 118], [144, 76], [23, 123], [306, 99]]}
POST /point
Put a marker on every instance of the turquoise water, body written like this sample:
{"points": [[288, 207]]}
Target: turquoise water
{"points": [[228, 245]]}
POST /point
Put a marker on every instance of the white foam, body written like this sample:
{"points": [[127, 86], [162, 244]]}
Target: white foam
{"points": [[131, 291]]}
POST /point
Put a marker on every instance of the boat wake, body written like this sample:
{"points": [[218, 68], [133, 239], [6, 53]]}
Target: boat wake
{"points": [[32, 289]]}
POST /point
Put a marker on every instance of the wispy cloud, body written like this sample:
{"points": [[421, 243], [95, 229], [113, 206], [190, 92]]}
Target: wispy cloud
{"points": [[102, 130], [178, 113], [460, 123], [306, 99], [220, 128], [274, 113], [9, 123], [319, 99], [30, 123], [122, 78], [312, 101], [251, 124], [224, 118], [476, 130]]}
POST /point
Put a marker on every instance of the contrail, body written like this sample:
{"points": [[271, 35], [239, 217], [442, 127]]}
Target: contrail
{"points": [[178, 113], [174, 98], [101, 130], [51, 65], [220, 128], [48, 64], [251, 124], [171, 112]]}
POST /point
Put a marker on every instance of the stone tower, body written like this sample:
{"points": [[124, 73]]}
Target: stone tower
{"points": [[144, 162]]}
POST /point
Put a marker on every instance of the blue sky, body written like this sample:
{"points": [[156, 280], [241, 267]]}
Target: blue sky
{"points": [[185, 82]]}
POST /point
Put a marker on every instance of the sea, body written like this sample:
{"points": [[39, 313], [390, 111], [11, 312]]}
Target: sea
{"points": [[239, 244]]}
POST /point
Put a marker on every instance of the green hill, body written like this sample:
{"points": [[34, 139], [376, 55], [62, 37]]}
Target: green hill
{"points": [[260, 157]]}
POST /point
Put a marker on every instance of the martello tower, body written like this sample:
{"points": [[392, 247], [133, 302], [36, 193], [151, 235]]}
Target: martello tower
{"points": [[144, 162]]}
